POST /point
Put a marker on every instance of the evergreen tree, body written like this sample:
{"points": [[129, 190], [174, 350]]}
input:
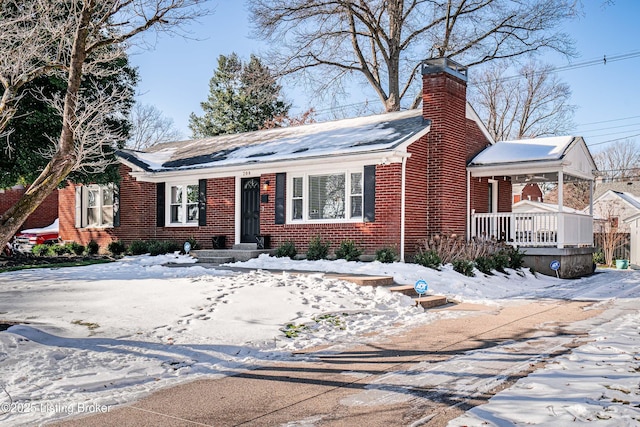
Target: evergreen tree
{"points": [[36, 124], [243, 97]]}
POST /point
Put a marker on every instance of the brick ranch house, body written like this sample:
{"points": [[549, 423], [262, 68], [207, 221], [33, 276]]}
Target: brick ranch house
{"points": [[389, 180]]}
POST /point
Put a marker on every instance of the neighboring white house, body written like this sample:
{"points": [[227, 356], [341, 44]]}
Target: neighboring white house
{"points": [[615, 207], [533, 206], [633, 223]]}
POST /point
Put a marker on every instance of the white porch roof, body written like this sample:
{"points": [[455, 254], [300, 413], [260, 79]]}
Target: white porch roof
{"points": [[536, 160]]}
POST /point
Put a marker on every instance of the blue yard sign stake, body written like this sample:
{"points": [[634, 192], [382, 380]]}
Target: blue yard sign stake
{"points": [[187, 247], [555, 266], [421, 287]]}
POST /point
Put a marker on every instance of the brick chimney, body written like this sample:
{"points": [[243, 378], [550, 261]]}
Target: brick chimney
{"points": [[444, 98]]}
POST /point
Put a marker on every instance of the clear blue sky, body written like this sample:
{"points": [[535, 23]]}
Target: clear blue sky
{"points": [[174, 77]]}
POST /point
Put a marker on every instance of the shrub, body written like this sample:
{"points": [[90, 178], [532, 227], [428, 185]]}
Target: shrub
{"points": [[93, 247], [76, 248], [348, 250], [159, 247], [117, 247], [317, 249], [501, 260], [194, 244], [485, 264], [463, 266], [41, 250], [60, 249], [138, 247], [453, 247], [429, 259], [598, 257], [516, 258], [386, 255], [287, 249]]}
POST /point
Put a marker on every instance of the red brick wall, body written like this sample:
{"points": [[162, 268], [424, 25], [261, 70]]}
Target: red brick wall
{"points": [[384, 232], [532, 192], [44, 214], [480, 194], [444, 103], [138, 215]]}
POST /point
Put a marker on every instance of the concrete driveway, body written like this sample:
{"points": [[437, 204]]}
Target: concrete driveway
{"points": [[427, 376]]}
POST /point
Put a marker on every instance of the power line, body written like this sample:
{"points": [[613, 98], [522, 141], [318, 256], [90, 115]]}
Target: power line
{"points": [[569, 67], [613, 140]]}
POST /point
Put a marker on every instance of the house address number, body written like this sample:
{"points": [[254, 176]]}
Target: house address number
{"points": [[246, 173]]}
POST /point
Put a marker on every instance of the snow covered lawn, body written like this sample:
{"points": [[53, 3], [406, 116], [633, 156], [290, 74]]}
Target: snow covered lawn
{"points": [[89, 337]]}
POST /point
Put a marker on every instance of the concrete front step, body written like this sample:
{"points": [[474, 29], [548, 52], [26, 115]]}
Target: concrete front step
{"points": [[408, 290], [364, 280], [427, 301], [232, 254], [215, 260], [245, 246], [431, 301]]}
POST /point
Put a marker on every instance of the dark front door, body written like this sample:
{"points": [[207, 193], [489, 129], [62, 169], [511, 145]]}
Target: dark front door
{"points": [[250, 206]]}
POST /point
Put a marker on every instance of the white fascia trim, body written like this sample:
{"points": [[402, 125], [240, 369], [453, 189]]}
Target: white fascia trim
{"points": [[257, 169], [470, 113], [523, 168]]}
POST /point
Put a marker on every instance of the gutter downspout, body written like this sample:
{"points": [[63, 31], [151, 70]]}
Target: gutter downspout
{"points": [[402, 207], [468, 205]]}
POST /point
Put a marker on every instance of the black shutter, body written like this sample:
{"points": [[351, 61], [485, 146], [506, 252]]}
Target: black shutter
{"points": [[280, 197], [160, 189], [369, 193], [78, 222], [116, 206], [202, 202]]}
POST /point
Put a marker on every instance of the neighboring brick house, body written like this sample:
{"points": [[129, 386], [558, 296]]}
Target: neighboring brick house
{"points": [[44, 215], [390, 180], [530, 192]]}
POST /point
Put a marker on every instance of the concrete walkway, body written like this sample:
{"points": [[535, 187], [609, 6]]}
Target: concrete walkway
{"points": [[423, 377]]}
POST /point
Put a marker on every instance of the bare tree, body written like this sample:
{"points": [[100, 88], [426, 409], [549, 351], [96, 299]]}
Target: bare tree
{"points": [[608, 227], [149, 127], [304, 118], [383, 41], [78, 38], [575, 195], [619, 160], [531, 104]]}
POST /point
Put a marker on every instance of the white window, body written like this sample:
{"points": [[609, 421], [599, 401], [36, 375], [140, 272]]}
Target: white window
{"points": [[297, 198], [183, 204], [327, 197], [94, 206]]}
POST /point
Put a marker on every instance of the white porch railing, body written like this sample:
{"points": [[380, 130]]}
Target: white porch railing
{"points": [[534, 228]]}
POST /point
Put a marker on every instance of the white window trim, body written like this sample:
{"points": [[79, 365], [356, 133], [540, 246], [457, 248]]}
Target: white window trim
{"points": [[167, 207], [85, 206], [305, 197]]}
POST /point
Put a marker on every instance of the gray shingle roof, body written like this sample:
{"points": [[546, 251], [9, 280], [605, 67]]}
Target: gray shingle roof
{"points": [[359, 135]]}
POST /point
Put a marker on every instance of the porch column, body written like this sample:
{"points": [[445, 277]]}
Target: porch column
{"points": [[590, 197], [560, 220]]}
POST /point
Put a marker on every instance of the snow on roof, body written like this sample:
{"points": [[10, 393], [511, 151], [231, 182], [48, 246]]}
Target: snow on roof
{"points": [[359, 135], [524, 150], [532, 205], [629, 198]]}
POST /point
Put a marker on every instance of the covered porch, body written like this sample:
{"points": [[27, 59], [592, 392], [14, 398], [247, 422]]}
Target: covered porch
{"points": [[551, 230]]}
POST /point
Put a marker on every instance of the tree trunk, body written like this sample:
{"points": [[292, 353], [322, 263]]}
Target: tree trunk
{"points": [[64, 160]]}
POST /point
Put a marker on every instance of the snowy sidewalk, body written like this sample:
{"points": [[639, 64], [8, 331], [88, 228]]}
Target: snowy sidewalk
{"points": [[431, 374]]}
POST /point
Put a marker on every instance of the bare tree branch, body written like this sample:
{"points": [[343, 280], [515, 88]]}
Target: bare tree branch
{"points": [[383, 40], [532, 104], [77, 37]]}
